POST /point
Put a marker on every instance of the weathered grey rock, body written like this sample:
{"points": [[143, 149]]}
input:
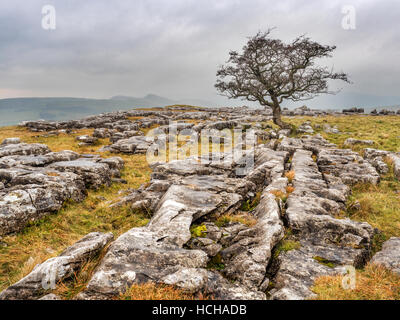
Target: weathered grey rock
{"points": [[207, 245], [249, 253], [379, 165], [11, 141], [396, 164], [125, 135], [37, 160], [310, 211], [329, 129], [103, 132], [347, 165], [312, 205], [86, 140], [352, 142], [94, 174], [376, 159], [200, 189], [353, 110], [50, 296], [389, 256], [155, 251], [187, 193], [36, 182], [134, 144], [305, 128], [23, 149], [370, 153], [299, 268], [222, 125], [212, 283], [44, 276], [35, 194]]}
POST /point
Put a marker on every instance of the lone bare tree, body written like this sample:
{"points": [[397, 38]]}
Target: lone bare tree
{"points": [[270, 71]]}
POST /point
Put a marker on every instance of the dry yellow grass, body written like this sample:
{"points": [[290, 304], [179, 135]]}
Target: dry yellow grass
{"points": [[242, 217], [71, 287], [372, 283], [290, 175], [151, 291], [384, 130], [289, 189], [379, 205]]}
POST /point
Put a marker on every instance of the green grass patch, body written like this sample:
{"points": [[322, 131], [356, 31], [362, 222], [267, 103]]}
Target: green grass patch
{"points": [[285, 246]]}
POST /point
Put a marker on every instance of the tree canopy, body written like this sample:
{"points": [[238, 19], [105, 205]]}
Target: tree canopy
{"points": [[270, 71]]}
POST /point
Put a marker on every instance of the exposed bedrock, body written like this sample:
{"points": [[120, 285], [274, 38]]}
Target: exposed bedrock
{"points": [[190, 191], [36, 182], [183, 195], [389, 257], [249, 252], [327, 243], [343, 163], [155, 252]]}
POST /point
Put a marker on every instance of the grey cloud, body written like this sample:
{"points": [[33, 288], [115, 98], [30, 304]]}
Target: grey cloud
{"points": [[173, 48]]}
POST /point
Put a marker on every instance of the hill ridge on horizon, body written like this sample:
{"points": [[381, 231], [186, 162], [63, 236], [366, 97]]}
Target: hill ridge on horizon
{"points": [[16, 110]]}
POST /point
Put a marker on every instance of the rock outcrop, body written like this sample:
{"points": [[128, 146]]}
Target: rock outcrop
{"points": [[327, 244], [45, 276], [183, 192], [36, 182], [389, 257]]}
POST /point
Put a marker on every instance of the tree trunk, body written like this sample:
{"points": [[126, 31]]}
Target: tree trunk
{"points": [[276, 115]]}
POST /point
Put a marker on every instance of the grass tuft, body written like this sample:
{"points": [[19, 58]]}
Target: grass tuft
{"points": [[152, 291], [373, 283], [242, 217]]}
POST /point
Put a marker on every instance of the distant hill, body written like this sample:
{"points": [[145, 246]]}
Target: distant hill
{"points": [[15, 110]]}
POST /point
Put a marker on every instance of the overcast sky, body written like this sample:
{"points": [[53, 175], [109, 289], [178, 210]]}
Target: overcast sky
{"points": [[172, 48]]}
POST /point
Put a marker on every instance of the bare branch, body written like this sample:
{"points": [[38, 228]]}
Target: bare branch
{"points": [[270, 71]]}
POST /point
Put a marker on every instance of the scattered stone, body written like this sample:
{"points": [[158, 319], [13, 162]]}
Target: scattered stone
{"points": [[134, 144], [306, 128], [329, 129], [86, 140], [11, 141], [352, 142], [354, 110], [396, 164]]}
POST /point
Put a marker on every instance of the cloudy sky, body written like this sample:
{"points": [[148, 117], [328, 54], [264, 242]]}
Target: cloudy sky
{"points": [[172, 48]]}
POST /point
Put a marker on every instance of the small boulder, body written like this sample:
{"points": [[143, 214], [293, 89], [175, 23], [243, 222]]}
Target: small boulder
{"points": [[11, 141], [352, 142], [86, 140], [389, 257]]}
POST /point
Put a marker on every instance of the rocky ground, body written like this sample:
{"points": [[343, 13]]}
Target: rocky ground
{"points": [[294, 191]]}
